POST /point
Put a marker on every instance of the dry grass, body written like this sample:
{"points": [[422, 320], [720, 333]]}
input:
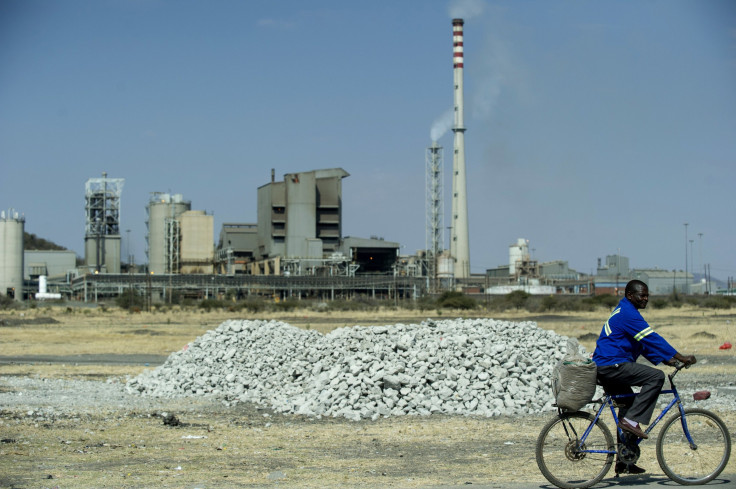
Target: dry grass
{"points": [[119, 332], [242, 447], [223, 452], [248, 450]]}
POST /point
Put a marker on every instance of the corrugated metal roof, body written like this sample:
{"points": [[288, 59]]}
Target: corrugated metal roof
{"points": [[657, 273], [352, 242]]}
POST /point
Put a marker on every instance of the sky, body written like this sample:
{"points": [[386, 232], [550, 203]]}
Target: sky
{"points": [[593, 128]]}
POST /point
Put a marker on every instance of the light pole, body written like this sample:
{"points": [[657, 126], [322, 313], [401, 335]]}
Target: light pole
{"points": [[692, 269], [700, 252], [127, 244], [686, 287], [618, 268]]}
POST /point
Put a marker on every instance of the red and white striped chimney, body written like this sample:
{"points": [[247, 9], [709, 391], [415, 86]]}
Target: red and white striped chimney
{"points": [[459, 240], [457, 43]]}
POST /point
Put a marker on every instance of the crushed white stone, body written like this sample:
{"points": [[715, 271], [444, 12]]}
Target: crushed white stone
{"points": [[480, 367]]}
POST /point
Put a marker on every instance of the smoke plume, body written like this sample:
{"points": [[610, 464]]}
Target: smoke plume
{"points": [[466, 9], [442, 124]]}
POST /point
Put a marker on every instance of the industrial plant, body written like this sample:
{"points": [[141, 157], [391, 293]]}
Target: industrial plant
{"points": [[102, 224], [296, 249]]}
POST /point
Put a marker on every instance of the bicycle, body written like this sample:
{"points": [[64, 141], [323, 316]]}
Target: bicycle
{"points": [[575, 450]]}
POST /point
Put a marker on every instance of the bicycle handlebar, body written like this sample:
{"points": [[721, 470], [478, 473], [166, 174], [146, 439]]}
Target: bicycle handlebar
{"points": [[678, 366]]}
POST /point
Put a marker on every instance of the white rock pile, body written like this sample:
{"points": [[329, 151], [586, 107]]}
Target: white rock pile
{"points": [[464, 366]]}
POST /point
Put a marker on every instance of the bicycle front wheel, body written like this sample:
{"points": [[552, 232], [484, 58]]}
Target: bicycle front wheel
{"points": [[702, 462], [567, 462]]}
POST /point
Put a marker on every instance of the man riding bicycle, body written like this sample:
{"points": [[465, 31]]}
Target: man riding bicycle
{"points": [[624, 337]]}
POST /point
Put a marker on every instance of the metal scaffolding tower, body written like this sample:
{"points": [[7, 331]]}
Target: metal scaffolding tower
{"points": [[102, 210], [434, 209], [172, 238]]}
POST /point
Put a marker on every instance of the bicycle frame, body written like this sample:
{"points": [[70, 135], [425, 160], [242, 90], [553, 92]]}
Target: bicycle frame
{"points": [[607, 400]]}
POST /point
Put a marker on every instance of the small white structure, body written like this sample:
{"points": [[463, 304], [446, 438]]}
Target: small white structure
{"points": [[529, 289], [42, 294], [518, 253]]}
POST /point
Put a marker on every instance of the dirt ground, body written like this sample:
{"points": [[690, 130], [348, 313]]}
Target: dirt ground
{"points": [[246, 446]]}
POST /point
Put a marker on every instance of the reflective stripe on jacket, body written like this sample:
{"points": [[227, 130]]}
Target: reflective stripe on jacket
{"points": [[626, 335]]}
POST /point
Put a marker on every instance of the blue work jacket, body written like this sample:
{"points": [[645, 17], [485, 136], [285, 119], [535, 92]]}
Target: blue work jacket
{"points": [[626, 336]]}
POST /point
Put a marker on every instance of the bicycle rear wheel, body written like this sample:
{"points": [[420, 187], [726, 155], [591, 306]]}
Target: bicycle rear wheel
{"points": [[564, 460], [685, 464]]}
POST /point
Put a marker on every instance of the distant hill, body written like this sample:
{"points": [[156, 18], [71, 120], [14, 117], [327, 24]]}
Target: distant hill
{"points": [[33, 242]]}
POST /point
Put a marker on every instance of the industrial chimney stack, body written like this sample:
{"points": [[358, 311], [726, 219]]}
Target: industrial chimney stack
{"points": [[459, 246]]}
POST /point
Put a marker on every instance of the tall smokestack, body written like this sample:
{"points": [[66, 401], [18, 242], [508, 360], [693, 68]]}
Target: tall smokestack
{"points": [[459, 246]]}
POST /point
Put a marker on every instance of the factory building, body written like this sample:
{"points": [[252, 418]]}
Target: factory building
{"points": [[300, 217], [370, 255], [235, 248], [612, 277], [527, 274], [558, 270], [163, 231], [196, 252], [521, 267], [299, 232], [300, 229], [178, 239], [615, 265], [54, 264], [102, 224], [664, 282], [12, 226]]}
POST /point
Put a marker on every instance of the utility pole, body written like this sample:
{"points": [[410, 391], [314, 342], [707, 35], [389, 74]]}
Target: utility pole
{"points": [[700, 259], [692, 269], [686, 285]]}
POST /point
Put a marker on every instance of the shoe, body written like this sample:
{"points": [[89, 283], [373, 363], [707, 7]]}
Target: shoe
{"points": [[634, 430], [624, 468]]}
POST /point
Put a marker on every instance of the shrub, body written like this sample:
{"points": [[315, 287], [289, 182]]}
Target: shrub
{"points": [[287, 305], [129, 299], [250, 305], [209, 304], [607, 301], [719, 302], [456, 300], [550, 303], [517, 299], [173, 297], [692, 300], [424, 303], [675, 299], [358, 304], [8, 303]]}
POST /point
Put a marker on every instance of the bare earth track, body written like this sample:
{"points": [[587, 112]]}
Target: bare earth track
{"points": [[65, 421]]}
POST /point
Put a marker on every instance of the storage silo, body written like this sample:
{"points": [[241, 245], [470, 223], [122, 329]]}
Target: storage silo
{"points": [[12, 226], [518, 253], [445, 269], [197, 247], [164, 231]]}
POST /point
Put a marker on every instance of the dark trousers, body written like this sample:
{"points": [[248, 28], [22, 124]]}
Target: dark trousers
{"points": [[618, 379]]}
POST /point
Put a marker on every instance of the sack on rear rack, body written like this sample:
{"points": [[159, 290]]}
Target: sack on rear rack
{"points": [[574, 379]]}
